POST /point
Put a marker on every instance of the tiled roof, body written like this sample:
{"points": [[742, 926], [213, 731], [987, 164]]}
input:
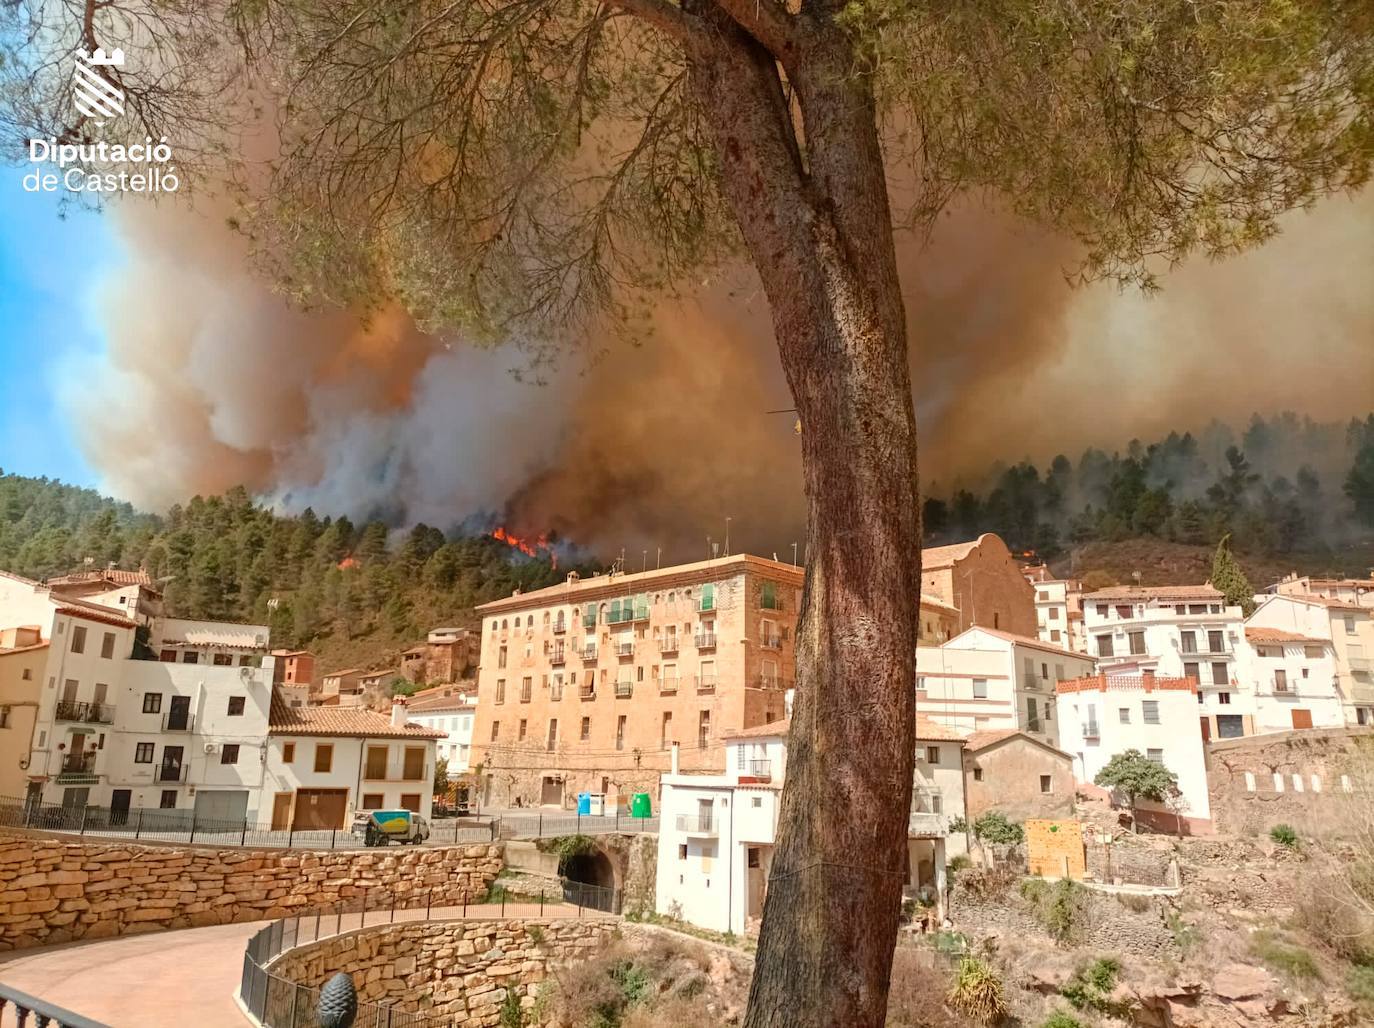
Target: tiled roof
{"points": [[115, 576], [977, 741], [780, 728], [6, 651], [345, 671], [1259, 633], [937, 557], [93, 612], [929, 731], [439, 703], [1320, 601], [352, 722], [1206, 591], [1021, 640]]}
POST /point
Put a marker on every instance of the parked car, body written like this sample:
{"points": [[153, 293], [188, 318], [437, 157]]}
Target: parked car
{"points": [[381, 827]]}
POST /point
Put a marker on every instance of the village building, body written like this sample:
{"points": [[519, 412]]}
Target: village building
{"points": [[586, 685], [1293, 679], [1016, 774], [986, 679], [294, 668], [23, 660], [1358, 592], [453, 715], [446, 656], [1349, 631], [323, 764], [1104, 715], [341, 688], [1058, 609], [132, 593], [983, 581]]}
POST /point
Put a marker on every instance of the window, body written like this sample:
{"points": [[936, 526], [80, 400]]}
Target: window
{"points": [[28, 674], [769, 598], [1188, 642], [288, 752], [236, 706], [1312, 652], [526, 688], [1054, 613], [1192, 670], [1102, 610], [682, 851], [1223, 697], [324, 757], [553, 733], [500, 690], [620, 732], [1054, 635], [1124, 611], [1150, 712], [520, 731], [107, 645], [190, 657], [980, 688], [4, 717], [1219, 676], [375, 767], [229, 753], [933, 755], [665, 736], [143, 753], [223, 660], [152, 703], [920, 683], [1046, 783], [501, 657], [495, 730], [78, 639], [1125, 714], [703, 729], [373, 801], [410, 801], [1349, 624], [414, 768], [1215, 642], [1156, 755], [1049, 709], [977, 774], [1137, 640], [169, 799], [1104, 646], [586, 733], [756, 802]]}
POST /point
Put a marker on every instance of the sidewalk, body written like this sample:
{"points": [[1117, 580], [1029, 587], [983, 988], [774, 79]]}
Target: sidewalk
{"points": [[171, 979]]}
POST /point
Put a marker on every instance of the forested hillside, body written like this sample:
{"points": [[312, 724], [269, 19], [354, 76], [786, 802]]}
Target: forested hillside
{"points": [[1286, 485], [352, 592], [1294, 494]]}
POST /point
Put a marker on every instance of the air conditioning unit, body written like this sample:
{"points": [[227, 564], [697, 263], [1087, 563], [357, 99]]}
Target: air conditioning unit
{"points": [[246, 672], [212, 747]]}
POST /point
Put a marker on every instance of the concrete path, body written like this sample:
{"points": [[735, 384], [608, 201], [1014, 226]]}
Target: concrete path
{"points": [[172, 979]]}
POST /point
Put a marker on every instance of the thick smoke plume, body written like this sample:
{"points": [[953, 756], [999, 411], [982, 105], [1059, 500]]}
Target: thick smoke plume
{"points": [[213, 381]]}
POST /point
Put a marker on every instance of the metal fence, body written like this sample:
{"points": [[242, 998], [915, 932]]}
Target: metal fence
{"points": [[150, 824], [278, 1002], [44, 1014]]}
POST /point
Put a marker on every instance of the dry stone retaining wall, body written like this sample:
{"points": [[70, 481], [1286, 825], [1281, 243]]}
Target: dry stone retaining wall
{"points": [[55, 890], [454, 969]]}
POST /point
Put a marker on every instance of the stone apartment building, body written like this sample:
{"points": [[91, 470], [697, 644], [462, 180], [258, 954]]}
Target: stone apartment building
{"points": [[446, 656], [586, 685], [983, 581]]}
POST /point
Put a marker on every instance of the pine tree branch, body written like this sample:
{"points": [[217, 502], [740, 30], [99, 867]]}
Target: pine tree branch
{"points": [[663, 15]]}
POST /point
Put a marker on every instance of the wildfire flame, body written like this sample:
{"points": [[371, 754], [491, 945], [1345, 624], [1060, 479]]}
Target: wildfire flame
{"points": [[530, 546], [348, 562]]}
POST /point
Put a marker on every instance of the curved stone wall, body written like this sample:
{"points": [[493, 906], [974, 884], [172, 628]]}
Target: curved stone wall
{"points": [[56, 890], [460, 969]]}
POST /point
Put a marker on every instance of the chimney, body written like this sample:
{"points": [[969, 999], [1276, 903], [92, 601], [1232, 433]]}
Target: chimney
{"points": [[398, 711], [673, 763]]}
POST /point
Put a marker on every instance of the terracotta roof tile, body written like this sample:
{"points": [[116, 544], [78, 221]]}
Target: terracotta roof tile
{"points": [[1206, 591], [455, 702], [937, 557], [1022, 640], [92, 612], [930, 731], [1259, 633], [352, 722], [780, 727], [978, 740]]}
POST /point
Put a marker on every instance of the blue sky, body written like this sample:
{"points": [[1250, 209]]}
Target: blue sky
{"points": [[50, 269]]}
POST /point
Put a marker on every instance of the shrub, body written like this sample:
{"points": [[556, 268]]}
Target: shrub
{"points": [[977, 991], [1186, 936], [1360, 984], [1060, 1019], [1284, 835], [993, 827], [1294, 961], [959, 863], [950, 943], [958, 823], [1090, 987], [512, 1014], [1325, 911], [536, 934], [1133, 901], [987, 882], [1060, 907], [916, 997]]}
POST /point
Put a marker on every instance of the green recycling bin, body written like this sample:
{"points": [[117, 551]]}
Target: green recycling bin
{"points": [[640, 805]]}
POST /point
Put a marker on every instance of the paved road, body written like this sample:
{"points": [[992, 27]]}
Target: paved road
{"points": [[188, 977]]}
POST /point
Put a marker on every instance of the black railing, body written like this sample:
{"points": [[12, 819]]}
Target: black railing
{"points": [[172, 774], [79, 763], [178, 721], [177, 826], [276, 1001], [90, 713], [44, 1014]]}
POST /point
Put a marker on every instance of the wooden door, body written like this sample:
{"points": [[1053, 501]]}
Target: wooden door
{"points": [[1302, 718], [281, 811], [1206, 729], [320, 809]]}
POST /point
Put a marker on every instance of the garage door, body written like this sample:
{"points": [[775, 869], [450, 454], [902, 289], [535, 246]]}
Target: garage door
{"points": [[221, 805], [320, 809]]}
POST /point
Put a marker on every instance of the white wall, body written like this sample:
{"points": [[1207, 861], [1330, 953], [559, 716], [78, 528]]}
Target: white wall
{"points": [[706, 886], [457, 722], [346, 770], [943, 778]]}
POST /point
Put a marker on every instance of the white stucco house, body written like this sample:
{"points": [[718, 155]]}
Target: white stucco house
{"points": [[1293, 679], [453, 716], [1349, 629]]}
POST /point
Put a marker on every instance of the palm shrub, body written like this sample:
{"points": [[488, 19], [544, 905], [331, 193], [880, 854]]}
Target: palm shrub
{"points": [[977, 991]]}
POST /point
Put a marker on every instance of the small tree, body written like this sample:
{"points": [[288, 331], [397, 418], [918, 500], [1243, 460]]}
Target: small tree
{"points": [[441, 782], [993, 827], [1139, 777], [1229, 577]]}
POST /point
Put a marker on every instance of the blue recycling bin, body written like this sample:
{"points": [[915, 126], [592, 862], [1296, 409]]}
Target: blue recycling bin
{"points": [[584, 803]]}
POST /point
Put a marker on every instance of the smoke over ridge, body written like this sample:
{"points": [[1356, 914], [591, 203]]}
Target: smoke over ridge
{"points": [[212, 381]]}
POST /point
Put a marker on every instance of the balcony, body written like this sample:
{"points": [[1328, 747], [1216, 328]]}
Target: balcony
{"points": [[625, 649], [78, 768], [626, 615], [761, 769], [1091, 731], [705, 606], [588, 620], [704, 640], [706, 683], [771, 642], [586, 692], [588, 653], [560, 627], [667, 686], [696, 824], [770, 603], [172, 773], [1360, 665], [178, 721], [557, 658], [771, 682], [1033, 725], [924, 823], [668, 645], [86, 713], [624, 690]]}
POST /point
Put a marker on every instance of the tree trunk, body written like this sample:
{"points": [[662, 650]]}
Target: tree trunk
{"points": [[817, 223]]}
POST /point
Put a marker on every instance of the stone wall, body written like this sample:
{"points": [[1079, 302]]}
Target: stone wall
{"points": [[460, 969], [1259, 781], [1132, 861], [54, 889]]}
